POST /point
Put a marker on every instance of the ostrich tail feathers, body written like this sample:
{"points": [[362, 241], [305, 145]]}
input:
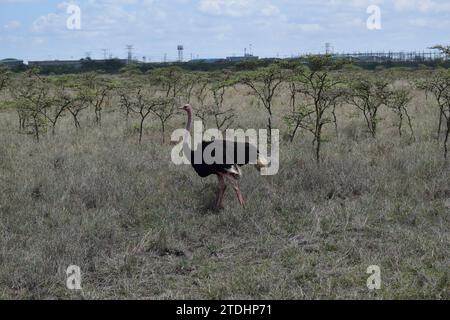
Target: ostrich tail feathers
{"points": [[262, 162], [235, 171]]}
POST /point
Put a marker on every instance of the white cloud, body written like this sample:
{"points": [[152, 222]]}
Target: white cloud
{"points": [[270, 10], [11, 25], [238, 8], [221, 27], [422, 5], [49, 23]]}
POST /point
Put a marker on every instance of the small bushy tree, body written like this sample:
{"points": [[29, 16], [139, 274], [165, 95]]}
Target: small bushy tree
{"points": [[369, 94], [264, 84], [398, 100], [164, 109], [320, 91], [60, 98], [31, 99], [96, 90], [4, 78], [439, 85]]}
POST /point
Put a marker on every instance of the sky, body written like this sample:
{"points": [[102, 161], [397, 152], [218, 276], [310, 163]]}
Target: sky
{"points": [[39, 30]]}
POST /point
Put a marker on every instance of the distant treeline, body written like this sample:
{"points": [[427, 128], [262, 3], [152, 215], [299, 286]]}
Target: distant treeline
{"points": [[115, 66]]}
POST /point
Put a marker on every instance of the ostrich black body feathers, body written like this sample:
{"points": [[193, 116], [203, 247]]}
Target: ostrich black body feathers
{"points": [[213, 157]]}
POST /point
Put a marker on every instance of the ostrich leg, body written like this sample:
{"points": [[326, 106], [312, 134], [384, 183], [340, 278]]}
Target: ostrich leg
{"points": [[237, 189], [221, 191]]}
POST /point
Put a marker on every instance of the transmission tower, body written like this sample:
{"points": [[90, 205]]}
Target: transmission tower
{"points": [[180, 49], [130, 53], [105, 53], [328, 48]]}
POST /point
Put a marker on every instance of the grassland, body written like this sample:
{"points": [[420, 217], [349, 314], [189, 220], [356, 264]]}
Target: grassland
{"points": [[142, 228]]}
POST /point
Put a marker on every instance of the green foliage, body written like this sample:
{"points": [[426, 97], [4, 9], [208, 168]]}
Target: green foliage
{"points": [[5, 76], [369, 94], [398, 100], [131, 70], [443, 49], [30, 95], [439, 85], [264, 84], [321, 93]]}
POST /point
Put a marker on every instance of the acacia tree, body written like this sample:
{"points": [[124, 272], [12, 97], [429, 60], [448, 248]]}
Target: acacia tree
{"points": [[446, 114], [142, 104], [369, 95], [171, 85], [223, 117], [398, 100], [296, 118], [61, 98], [201, 93], [31, 98], [298, 111], [164, 109], [139, 106], [125, 99], [80, 101], [264, 84], [210, 95], [4, 78], [443, 49], [97, 91], [170, 81], [439, 86], [321, 92], [191, 82]]}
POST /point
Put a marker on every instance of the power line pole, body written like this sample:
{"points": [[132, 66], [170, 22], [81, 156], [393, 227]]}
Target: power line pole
{"points": [[105, 53], [328, 49], [180, 49], [130, 54]]}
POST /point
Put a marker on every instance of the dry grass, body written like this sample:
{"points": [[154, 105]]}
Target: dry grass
{"points": [[140, 227]]}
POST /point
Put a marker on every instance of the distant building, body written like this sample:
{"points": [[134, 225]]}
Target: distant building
{"points": [[11, 62], [56, 63], [212, 60], [124, 61], [247, 57], [69, 63]]}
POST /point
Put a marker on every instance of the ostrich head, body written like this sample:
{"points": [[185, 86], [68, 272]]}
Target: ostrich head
{"points": [[187, 108]]}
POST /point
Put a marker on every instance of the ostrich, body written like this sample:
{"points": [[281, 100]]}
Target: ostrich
{"points": [[229, 169]]}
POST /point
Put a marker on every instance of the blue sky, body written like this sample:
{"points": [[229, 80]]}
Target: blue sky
{"points": [[36, 29]]}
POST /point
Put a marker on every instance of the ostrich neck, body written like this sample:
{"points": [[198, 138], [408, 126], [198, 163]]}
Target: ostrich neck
{"points": [[187, 137], [189, 122]]}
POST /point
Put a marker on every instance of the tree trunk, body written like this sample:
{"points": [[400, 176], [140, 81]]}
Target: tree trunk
{"points": [[336, 127], [400, 122], [294, 132], [77, 123], [36, 128], [447, 135], [410, 124], [441, 116], [163, 132], [141, 129], [318, 144], [269, 124]]}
